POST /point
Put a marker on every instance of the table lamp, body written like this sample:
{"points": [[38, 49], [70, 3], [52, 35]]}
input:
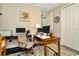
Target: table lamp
{"points": [[37, 26]]}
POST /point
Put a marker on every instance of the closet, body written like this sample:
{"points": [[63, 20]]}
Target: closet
{"points": [[70, 26]]}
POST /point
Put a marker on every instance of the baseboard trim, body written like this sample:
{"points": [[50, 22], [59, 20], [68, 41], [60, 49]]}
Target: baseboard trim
{"points": [[71, 49]]}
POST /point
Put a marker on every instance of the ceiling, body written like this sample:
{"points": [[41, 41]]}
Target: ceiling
{"points": [[46, 6]]}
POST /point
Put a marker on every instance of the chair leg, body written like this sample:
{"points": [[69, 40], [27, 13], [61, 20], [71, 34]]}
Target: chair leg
{"points": [[54, 54], [32, 50]]}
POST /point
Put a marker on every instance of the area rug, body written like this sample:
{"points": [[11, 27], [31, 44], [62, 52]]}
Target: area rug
{"points": [[39, 51]]}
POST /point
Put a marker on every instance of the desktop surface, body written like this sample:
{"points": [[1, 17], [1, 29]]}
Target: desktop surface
{"points": [[43, 36]]}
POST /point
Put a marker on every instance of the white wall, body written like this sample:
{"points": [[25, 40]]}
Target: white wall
{"points": [[11, 18]]}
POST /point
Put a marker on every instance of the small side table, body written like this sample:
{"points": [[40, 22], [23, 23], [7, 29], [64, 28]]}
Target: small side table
{"points": [[2, 45]]}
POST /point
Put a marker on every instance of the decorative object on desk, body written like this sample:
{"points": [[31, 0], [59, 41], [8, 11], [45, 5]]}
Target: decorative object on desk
{"points": [[53, 34], [57, 19], [24, 16]]}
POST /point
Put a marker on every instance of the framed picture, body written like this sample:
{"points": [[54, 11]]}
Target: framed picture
{"points": [[24, 16]]}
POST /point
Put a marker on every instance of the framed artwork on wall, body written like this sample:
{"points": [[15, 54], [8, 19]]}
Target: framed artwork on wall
{"points": [[24, 16]]}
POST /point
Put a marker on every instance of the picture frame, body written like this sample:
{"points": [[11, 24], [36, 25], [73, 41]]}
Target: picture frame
{"points": [[24, 16]]}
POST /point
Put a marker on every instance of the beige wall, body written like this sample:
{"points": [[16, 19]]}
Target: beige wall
{"points": [[56, 26], [50, 20], [11, 18], [44, 20], [0, 15], [56, 12]]}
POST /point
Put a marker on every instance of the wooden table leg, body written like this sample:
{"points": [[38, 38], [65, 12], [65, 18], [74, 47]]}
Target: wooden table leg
{"points": [[59, 47], [0, 53], [45, 51]]}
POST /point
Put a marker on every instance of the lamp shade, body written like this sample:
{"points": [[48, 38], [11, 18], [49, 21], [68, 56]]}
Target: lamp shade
{"points": [[38, 26]]}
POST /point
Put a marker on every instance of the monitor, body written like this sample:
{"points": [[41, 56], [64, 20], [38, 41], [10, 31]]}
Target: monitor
{"points": [[20, 30], [46, 29]]}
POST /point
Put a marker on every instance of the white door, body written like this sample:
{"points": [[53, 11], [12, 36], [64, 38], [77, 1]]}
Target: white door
{"points": [[70, 26]]}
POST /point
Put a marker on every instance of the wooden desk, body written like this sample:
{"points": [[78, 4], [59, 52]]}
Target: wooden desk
{"points": [[49, 40], [40, 38]]}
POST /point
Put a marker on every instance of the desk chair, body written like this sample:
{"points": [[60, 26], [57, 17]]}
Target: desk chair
{"points": [[23, 43], [29, 36]]}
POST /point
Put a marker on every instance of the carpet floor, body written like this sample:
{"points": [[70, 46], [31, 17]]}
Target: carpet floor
{"points": [[39, 51]]}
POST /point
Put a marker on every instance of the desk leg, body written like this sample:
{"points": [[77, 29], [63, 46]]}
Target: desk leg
{"points": [[59, 47], [45, 51]]}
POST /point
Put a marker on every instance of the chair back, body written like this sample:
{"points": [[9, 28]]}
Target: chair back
{"points": [[29, 36], [22, 37]]}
